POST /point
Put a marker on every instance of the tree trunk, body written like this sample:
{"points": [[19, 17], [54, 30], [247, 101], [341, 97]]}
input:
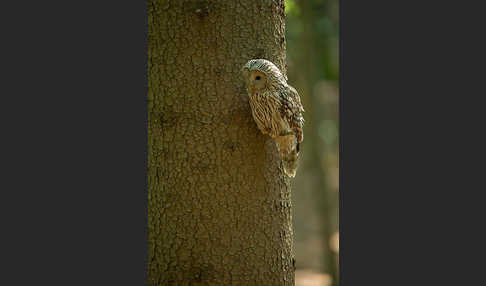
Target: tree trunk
{"points": [[219, 209]]}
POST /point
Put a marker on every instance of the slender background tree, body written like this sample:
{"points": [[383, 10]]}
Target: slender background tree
{"points": [[219, 210]]}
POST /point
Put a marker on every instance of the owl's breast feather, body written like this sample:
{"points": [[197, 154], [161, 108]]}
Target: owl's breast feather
{"points": [[266, 113]]}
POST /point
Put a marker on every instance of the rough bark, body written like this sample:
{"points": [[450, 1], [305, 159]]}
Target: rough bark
{"points": [[219, 209]]}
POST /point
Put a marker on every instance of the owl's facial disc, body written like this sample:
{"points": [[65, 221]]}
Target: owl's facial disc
{"points": [[257, 81]]}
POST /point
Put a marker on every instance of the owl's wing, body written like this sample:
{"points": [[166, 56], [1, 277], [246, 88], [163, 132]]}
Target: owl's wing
{"points": [[295, 98], [292, 111]]}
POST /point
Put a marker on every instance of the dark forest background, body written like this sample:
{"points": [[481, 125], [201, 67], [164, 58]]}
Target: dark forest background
{"points": [[313, 69]]}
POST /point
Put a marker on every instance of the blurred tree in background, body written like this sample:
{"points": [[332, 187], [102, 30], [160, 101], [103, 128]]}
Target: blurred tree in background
{"points": [[313, 68]]}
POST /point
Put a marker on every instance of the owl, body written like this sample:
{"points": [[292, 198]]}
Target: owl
{"points": [[276, 109]]}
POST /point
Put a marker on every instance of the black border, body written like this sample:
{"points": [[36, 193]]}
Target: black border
{"points": [[74, 146]]}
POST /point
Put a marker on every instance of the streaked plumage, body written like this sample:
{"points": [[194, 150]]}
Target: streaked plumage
{"points": [[276, 109]]}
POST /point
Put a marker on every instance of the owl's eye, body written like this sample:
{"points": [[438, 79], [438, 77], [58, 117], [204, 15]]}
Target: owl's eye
{"points": [[258, 77]]}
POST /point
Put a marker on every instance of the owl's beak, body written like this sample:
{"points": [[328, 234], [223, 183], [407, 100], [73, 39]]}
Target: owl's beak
{"points": [[252, 86]]}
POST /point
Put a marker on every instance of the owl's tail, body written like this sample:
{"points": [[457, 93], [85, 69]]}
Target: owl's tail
{"points": [[289, 162]]}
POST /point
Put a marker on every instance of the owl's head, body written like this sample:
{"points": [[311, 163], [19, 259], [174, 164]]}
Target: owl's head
{"points": [[261, 75]]}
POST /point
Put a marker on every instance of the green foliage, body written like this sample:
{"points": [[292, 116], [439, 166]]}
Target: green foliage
{"points": [[291, 8], [324, 30]]}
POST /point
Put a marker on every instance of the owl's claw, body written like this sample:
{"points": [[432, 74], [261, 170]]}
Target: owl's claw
{"points": [[286, 132]]}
